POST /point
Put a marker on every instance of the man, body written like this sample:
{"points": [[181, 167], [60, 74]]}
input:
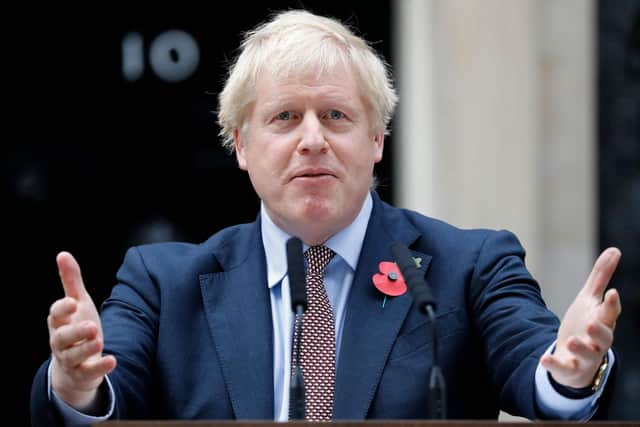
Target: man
{"points": [[205, 331]]}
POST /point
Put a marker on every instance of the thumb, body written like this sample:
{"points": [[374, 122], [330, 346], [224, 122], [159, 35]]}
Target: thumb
{"points": [[69, 271], [602, 272]]}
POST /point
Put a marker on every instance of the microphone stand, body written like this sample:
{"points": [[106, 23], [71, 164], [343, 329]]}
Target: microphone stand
{"points": [[425, 302], [297, 285], [296, 388], [437, 387]]}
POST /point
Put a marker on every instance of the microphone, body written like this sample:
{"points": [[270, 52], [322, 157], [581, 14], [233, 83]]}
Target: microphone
{"points": [[413, 277], [295, 270], [298, 288], [426, 303]]}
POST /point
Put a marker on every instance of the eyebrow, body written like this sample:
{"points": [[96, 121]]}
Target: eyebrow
{"points": [[285, 100]]}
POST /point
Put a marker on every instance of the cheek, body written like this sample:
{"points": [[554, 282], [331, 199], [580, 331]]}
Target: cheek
{"points": [[361, 156], [268, 155]]}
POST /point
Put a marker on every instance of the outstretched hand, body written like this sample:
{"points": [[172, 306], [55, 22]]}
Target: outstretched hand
{"points": [[586, 331], [76, 340]]}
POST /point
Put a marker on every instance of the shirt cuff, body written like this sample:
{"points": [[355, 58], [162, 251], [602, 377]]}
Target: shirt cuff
{"points": [[73, 417], [554, 405]]}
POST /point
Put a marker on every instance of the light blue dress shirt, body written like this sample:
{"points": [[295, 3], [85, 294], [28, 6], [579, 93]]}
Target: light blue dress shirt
{"points": [[337, 281]]}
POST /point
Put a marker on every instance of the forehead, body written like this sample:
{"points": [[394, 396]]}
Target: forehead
{"points": [[338, 83]]}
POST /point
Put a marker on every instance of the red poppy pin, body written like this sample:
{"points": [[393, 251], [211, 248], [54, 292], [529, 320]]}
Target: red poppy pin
{"points": [[389, 280]]}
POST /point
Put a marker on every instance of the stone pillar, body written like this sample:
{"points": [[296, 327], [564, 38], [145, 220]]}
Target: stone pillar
{"points": [[496, 125]]}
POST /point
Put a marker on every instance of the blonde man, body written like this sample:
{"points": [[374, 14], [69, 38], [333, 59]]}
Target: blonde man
{"points": [[205, 331]]}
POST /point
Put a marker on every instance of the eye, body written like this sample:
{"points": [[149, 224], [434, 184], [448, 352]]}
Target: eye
{"points": [[285, 115], [335, 115]]}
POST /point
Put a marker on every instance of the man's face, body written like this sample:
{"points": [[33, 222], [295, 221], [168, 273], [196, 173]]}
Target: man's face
{"points": [[309, 146]]}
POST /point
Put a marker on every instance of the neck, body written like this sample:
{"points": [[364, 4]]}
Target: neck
{"points": [[313, 234]]}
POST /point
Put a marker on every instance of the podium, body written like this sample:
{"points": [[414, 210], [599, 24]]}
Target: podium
{"points": [[367, 423]]}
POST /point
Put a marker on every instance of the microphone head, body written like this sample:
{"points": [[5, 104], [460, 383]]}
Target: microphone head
{"points": [[295, 270]]}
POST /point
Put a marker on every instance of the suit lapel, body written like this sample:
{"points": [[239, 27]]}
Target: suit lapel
{"points": [[237, 307], [369, 329], [238, 310]]}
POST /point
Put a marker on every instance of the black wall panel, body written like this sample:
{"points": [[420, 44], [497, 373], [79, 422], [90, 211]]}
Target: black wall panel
{"points": [[619, 180], [94, 163]]}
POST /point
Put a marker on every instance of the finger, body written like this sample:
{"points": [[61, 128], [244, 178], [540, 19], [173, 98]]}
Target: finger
{"points": [[600, 336], [99, 367], [68, 336], [60, 312], [70, 275], [610, 308], [581, 349], [85, 375], [73, 356], [602, 271], [558, 367]]}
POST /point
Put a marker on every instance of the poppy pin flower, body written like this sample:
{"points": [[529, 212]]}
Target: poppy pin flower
{"points": [[389, 280]]}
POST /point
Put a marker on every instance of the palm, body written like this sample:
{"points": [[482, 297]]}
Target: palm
{"points": [[76, 339], [87, 311], [586, 331]]}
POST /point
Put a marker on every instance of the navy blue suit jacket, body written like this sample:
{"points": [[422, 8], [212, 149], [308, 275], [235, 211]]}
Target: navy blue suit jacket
{"points": [[191, 328]]}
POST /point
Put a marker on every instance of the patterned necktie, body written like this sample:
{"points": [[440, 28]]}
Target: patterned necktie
{"points": [[318, 345]]}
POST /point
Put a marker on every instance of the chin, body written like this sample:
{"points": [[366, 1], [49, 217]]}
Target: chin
{"points": [[315, 218], [318, 207]]}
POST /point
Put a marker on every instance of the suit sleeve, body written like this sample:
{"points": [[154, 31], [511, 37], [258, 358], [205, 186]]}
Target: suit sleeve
{"points": [[511, 320], [130, 319]]}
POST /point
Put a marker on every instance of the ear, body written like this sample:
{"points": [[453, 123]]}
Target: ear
{"points": [[378, 143], [239, 148]]}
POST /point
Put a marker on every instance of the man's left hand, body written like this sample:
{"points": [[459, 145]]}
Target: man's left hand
{"points": [[586, 331]]}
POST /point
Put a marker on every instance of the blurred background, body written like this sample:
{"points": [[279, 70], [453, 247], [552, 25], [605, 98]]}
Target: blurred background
{"points": [[513, 114]]}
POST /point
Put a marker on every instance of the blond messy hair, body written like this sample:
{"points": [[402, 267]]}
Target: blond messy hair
{"points": [[291, 43]]}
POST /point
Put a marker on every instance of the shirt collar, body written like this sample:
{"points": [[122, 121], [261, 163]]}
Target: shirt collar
{"points": [[347, 243]]}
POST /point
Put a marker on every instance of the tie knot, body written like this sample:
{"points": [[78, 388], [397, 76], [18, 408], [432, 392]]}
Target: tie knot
{"points": [[318, 257]]}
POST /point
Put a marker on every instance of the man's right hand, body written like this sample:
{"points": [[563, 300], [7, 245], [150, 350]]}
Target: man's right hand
{"points": [[76, 340]]}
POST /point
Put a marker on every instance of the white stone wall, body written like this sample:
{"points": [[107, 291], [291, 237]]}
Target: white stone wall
{"points": [[496, 125]]}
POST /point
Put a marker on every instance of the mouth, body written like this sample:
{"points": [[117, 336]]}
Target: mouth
{"points": [[313, 174]]}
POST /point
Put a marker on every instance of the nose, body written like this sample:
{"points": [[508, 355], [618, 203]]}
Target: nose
{"points": [[312, 139]]}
